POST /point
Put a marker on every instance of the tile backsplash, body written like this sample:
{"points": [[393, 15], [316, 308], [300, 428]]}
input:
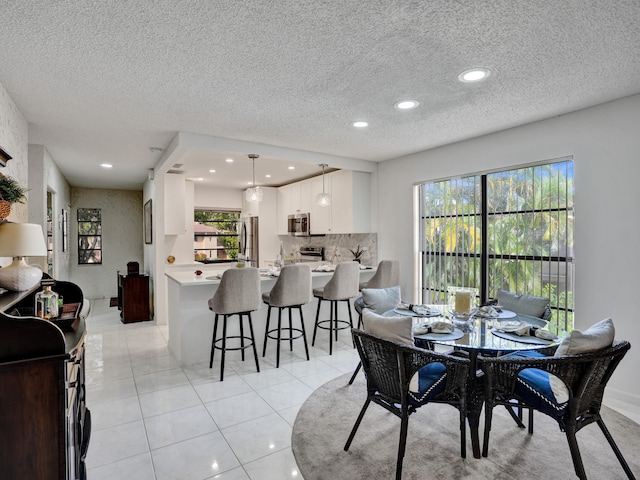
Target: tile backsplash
{"points": [[336, 247]]}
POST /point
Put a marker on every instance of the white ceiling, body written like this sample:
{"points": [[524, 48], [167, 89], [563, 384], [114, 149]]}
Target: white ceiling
{"points": [[103, 81]]}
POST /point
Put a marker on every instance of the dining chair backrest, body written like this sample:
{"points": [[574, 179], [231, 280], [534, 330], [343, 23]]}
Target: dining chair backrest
{"points": [[344, 282], [387, 275], [293, 286], [238, 291]]}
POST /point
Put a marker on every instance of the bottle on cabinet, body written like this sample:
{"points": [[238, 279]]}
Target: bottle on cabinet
{"points": [[46, 303]]}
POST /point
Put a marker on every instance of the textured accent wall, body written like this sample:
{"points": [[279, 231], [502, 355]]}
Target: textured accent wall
{"points": [[122, 238], [14, 140]]}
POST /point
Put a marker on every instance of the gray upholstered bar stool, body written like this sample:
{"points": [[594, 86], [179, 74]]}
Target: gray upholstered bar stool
{"points": [[237, 294], [342, 286], [387, 275], [292, 290]]}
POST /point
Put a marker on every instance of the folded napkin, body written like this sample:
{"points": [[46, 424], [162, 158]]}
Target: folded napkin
{"points": [[525, 329], [487, 312], [274, 272], [323, 268], [435, 327], [418, 309]]}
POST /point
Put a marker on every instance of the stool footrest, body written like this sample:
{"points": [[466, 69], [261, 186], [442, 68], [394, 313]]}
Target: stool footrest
{"points": [[274, 336], [248, 343], [324, 327]]}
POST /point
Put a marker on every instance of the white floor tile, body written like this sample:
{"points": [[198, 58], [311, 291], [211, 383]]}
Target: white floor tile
{"points": [[215, 390], [116, 412], [168, 400], [172, 427], [194, 459], [259, 437], [116, 443], [138, 467], [285, 395], [237, 409], [277, 466], [156, 381]]}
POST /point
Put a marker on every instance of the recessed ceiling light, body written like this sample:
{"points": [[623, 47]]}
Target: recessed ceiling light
{"points": [[292, 168], [106, 165], [406, 104], [360, 124], [196, 179], [268, 176], [249, 183], [229, 160], [474, 75], [212, 171]]}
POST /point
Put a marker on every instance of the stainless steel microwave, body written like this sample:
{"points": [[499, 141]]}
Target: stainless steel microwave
{"points": [[298, 225]]}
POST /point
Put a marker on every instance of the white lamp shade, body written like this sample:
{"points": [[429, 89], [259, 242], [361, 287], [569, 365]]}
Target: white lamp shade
{"points": [[22, 240], [19, 240], [323, 199]]}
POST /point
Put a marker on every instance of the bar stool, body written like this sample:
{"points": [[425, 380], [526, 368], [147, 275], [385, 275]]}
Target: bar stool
{"points": [[237, 294], [342, 286], [292, 290], [387, 275]]}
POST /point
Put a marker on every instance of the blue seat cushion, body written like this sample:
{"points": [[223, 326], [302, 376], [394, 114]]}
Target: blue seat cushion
{"points": [[542, 391], [427, 383]]}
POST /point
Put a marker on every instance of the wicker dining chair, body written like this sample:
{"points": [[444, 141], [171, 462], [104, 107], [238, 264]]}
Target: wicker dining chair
{"points": [[389, 368], [525, 380]]}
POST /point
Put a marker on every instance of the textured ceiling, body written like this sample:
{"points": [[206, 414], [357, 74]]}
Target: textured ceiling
{"points": [[105, 80]]}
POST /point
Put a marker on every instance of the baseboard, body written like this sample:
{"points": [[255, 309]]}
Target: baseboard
{"points": [[623, 402]]}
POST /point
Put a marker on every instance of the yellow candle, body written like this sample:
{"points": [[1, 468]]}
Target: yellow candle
{"points": [[463, 301]]}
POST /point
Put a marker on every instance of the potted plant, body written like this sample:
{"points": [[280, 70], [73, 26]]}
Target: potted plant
{"points": [[357, 253], [10, 192]]}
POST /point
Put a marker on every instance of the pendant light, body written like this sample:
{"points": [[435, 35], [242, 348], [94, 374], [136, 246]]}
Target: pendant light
{"points": [[323, 199], [254, 194]]}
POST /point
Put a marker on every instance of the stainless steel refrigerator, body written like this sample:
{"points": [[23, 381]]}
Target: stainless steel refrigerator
{"points": [[248, 240]]}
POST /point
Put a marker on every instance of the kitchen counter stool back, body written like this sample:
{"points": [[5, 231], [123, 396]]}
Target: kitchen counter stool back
{"points": [[237, 294], [342, 286], [291, 290], [387, 275]]}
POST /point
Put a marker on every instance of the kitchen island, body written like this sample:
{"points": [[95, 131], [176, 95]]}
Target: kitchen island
{"points": [[191, 322]]}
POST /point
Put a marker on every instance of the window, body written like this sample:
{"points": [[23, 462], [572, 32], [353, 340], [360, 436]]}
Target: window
{"points": [[215, 236], [89, 236], [510, 230]]}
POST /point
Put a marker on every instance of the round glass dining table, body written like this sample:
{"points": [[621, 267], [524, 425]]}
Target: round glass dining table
{"points": [[475, 335]]}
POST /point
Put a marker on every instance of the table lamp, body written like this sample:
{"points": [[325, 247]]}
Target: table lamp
{"points": [[19, 240]]}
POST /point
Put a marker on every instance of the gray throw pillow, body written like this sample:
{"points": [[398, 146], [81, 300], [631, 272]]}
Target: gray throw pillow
{"points": [[524, 304], [395, 329], [596, 337], [380, 300]]}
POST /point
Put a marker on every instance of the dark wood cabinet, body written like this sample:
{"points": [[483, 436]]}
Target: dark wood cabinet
{"points": [[44, 421], [133, 298]]}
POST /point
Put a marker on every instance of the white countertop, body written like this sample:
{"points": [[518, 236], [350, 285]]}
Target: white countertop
{"points": [[188, 278]]}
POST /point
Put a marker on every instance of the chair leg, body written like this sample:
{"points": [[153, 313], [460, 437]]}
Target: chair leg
{"points": [[615, 449], [355, 373], [290, 331], [224, 345], [253, 342], [531, 421], [266, 331], [357, 424], [213, 340], [333, 306], [404, 424], [315, 327], [304, 334], [278, 339], [241, 337], [488, 412], [575, 455], [463, 435]]}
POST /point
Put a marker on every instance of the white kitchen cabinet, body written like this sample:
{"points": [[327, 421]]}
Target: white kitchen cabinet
{"points": [[174, 203], [350, 202], [350, 209]]}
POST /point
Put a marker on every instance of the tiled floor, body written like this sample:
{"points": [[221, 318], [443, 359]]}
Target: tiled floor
{"points": [[155, 420]]}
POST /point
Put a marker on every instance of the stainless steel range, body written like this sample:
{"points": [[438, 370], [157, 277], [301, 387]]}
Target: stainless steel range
{"points": [[312, 254]]}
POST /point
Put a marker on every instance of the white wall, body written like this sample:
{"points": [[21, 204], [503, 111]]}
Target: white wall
{"points": [[122, 238], [605, 144], [223, 198], [44, 176]]}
